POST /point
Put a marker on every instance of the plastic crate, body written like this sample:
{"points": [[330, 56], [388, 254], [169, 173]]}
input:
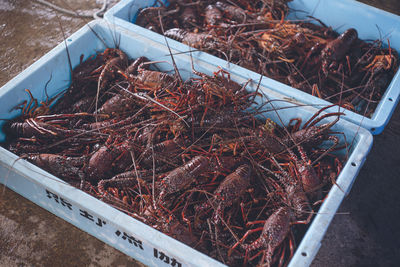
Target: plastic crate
{"points": [[108, 224], [371, 24]]}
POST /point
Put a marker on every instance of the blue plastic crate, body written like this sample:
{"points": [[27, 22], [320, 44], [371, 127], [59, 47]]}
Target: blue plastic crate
{"points": [[68, 202], [371, 24]]}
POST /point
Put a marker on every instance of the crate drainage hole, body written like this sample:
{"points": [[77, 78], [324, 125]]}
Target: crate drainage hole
{"points": [[69, 40], [353, 164], [373, 129], [304, 254]]}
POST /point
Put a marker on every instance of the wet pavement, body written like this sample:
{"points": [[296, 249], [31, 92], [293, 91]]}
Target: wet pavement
{"points": [[365, 231]]}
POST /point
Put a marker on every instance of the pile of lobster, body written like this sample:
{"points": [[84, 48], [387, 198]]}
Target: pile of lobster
{"points": [[341, 69], [194, 159]]}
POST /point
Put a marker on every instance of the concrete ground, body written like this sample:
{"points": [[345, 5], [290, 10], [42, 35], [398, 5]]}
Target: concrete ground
{"points": [[364, 232]]}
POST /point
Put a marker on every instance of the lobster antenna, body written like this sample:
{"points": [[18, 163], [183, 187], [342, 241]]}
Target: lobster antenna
{"points": [[66, 46], [115, 36], [47, 83], [85, 19], [169, 49], [97, 35], [277, 114]]}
